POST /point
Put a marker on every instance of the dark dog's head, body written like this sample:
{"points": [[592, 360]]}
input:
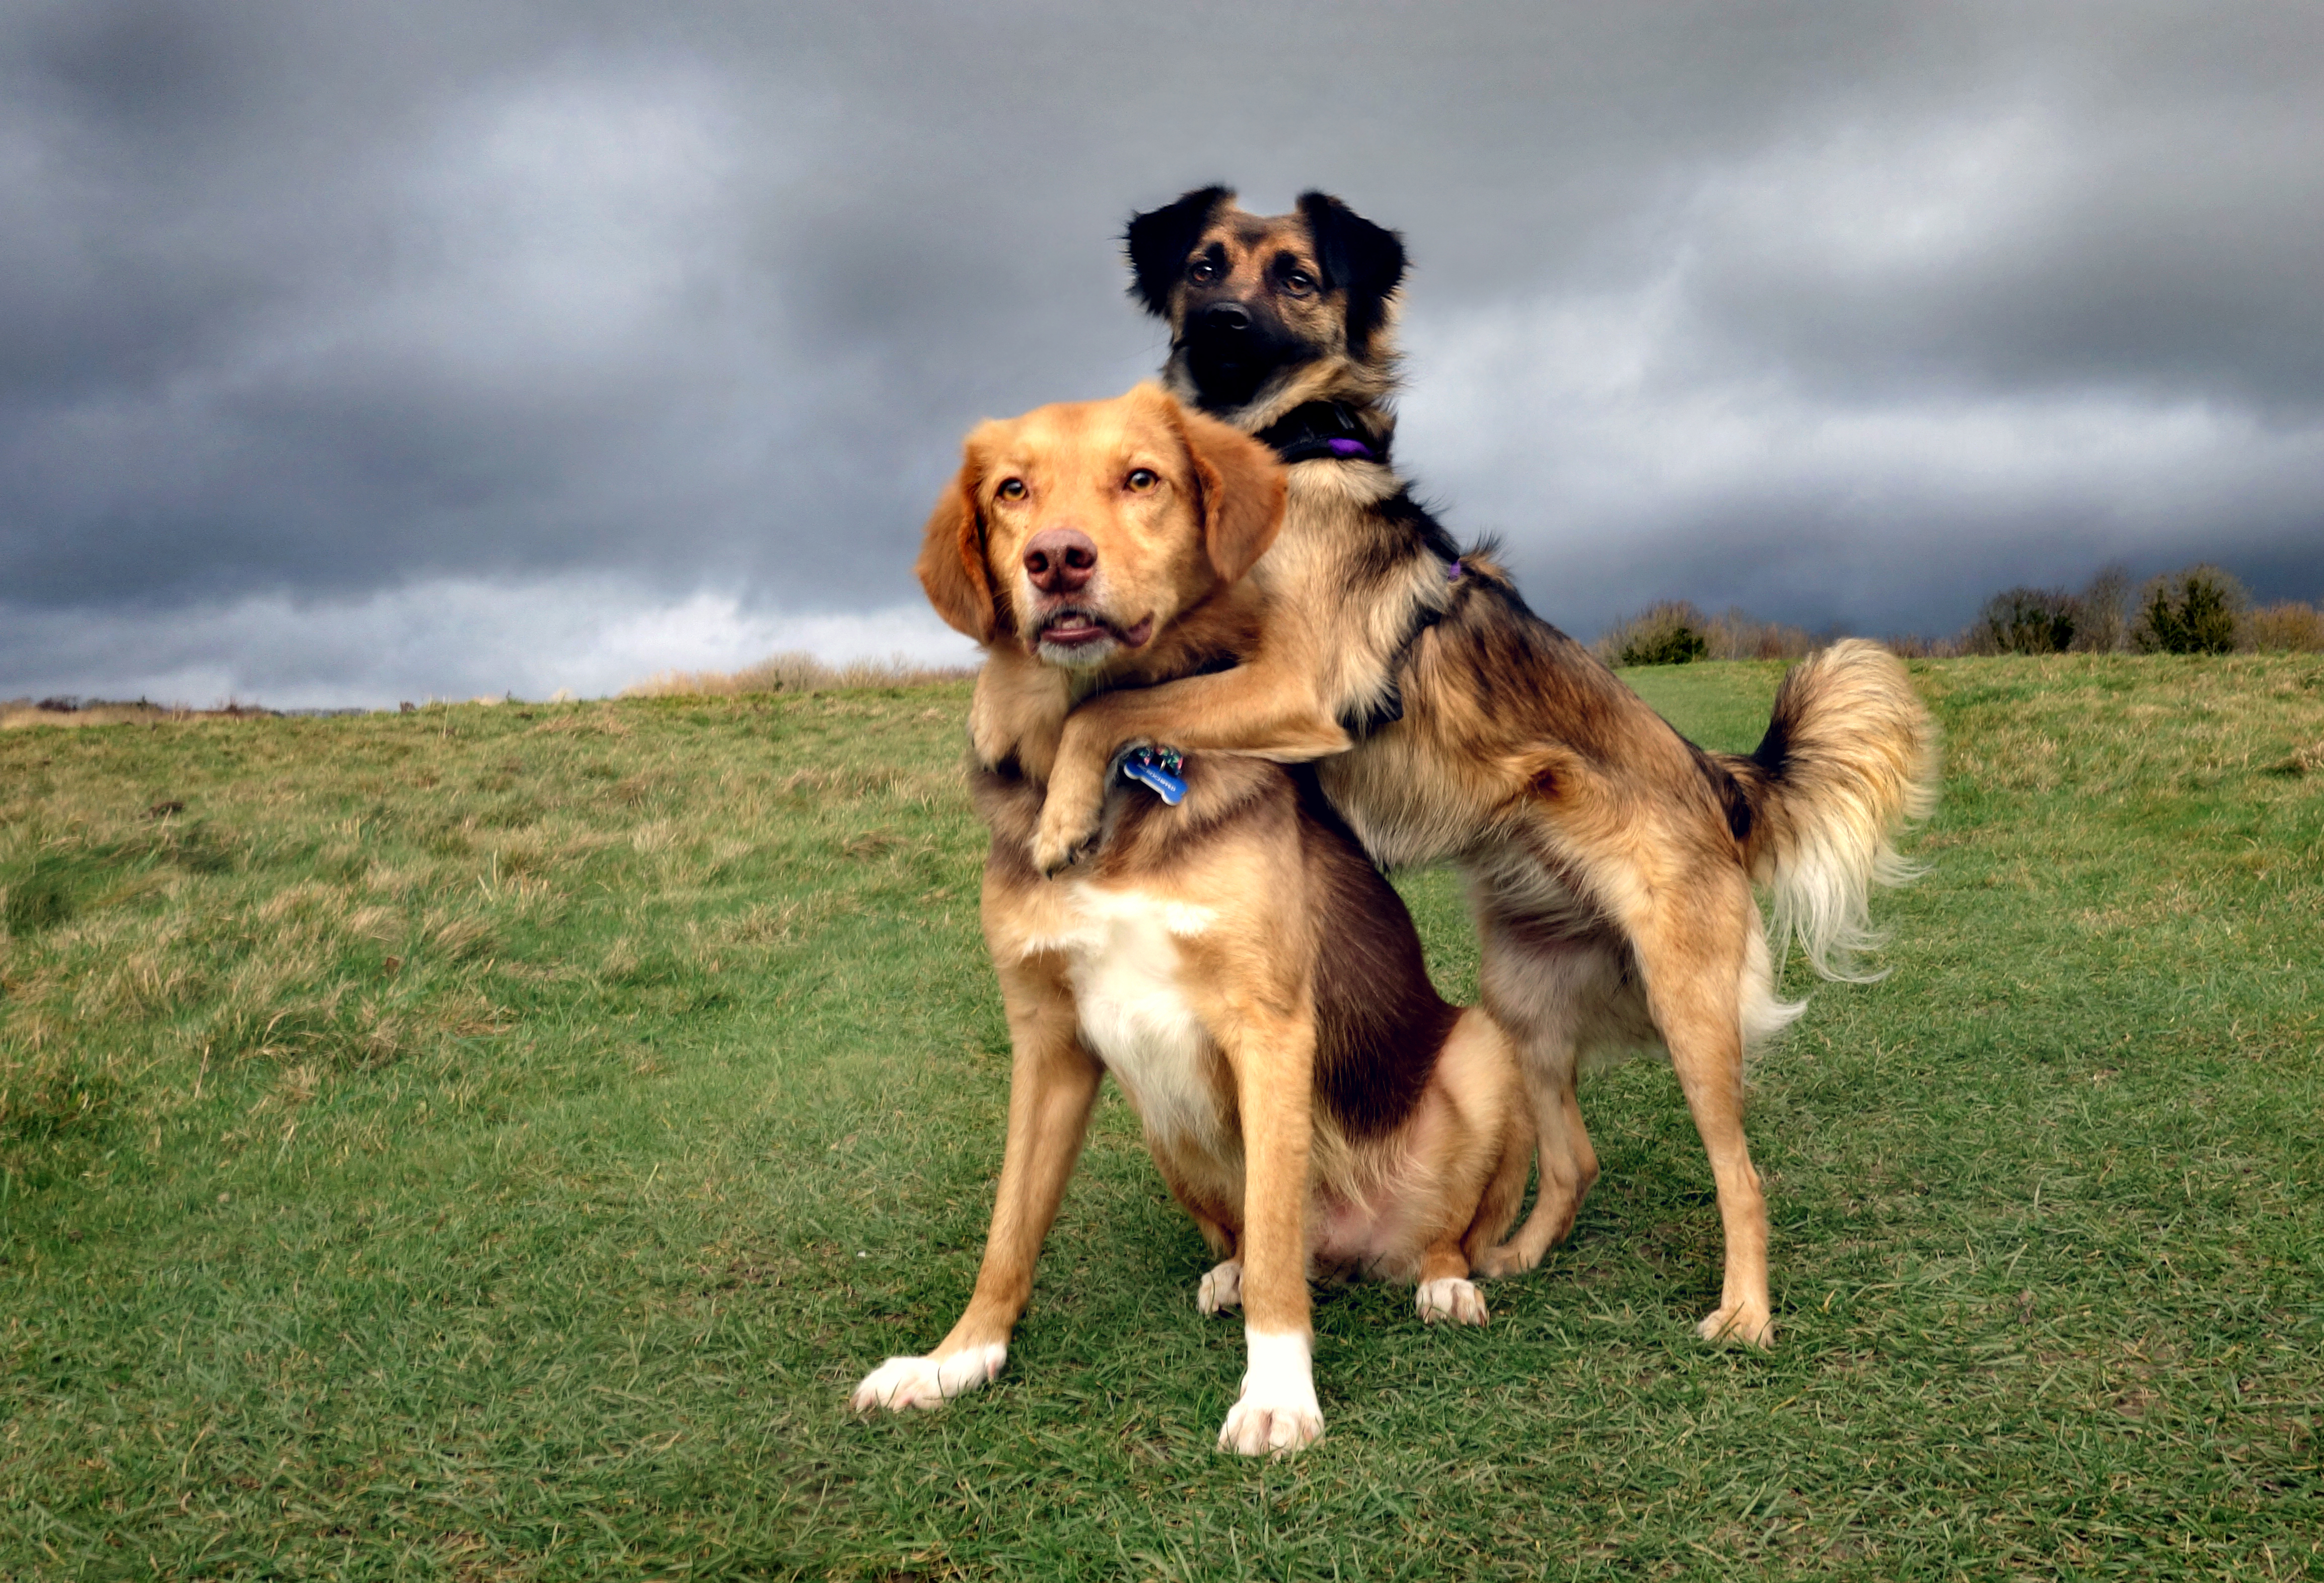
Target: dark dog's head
{"points": [[1268, 311], [1083, 531]]}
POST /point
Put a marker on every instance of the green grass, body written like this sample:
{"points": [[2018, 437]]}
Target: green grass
{"points": [[489, 1142]]}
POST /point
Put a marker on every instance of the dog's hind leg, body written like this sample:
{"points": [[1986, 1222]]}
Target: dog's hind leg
{"points": [[1544, 993], [1503, 1192], [1445, 1291], [1221, 1288], [1692, 956]]}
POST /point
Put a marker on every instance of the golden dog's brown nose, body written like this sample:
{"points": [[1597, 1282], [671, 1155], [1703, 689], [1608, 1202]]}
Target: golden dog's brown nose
{"points": [[1060, 560]]}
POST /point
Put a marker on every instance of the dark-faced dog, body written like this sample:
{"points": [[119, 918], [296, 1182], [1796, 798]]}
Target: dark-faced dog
{"points": [[1234, 960], [1611, 861]]}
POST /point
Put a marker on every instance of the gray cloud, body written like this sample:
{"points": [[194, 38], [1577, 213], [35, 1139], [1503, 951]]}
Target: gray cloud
{"points": [[1847, 314]]}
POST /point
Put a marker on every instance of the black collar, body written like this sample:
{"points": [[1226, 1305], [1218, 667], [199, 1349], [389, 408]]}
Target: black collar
{"points": [[1324, 431]]}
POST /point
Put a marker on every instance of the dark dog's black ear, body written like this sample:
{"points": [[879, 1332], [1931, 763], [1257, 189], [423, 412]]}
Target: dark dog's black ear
{"points": [[1364, 259], [1160, 241]]}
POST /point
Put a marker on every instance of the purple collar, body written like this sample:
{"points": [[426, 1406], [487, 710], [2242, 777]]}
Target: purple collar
{"points": [[1323, 431]]}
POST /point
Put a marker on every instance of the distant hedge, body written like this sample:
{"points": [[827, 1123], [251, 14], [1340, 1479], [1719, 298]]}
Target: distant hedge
{"points": [[2200, 609]]}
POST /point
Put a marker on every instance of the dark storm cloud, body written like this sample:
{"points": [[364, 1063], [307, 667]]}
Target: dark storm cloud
{"points": [[1847, 314]]}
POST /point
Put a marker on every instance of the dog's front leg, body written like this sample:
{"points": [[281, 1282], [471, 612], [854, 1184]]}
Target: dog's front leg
{"points": [[1074, 808], [1051, 1085], [1274, 1061], [1263, 710]]}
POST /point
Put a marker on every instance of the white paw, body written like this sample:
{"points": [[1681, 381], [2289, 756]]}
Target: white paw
{"points": [[1277, 1413], [902, 1383], [1737, 1322], [1453, 1298], [1222, 1287]]}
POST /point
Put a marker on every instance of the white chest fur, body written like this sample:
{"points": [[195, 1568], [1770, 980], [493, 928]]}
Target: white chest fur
{"points": [[1127, 969]]}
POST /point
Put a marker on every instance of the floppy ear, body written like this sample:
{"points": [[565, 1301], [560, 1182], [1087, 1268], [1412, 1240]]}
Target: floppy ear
{"points": [[1243, 485], [1160, 241], [952, 556], [1364, 259]]}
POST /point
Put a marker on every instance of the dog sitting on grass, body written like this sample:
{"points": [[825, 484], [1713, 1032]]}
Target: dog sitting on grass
{"points": [[1232, 957]]}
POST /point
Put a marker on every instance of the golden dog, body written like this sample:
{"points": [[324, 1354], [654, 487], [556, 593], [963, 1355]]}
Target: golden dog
{"points": [[1235, 962]]}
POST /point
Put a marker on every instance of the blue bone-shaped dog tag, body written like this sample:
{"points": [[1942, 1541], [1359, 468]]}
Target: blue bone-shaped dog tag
{"points": [[1158, 770]]}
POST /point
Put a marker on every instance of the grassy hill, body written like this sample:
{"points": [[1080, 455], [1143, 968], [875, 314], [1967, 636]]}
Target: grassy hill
{"points": [[488, 1141]]}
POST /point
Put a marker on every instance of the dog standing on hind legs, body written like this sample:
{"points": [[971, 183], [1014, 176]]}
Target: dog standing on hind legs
{"points": [[1611, 861]]}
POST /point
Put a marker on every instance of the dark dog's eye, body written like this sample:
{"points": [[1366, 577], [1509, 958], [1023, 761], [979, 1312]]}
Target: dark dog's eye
{"points": [[1202, 272], [1298, 282], [1142, 479], [1011, 489]]}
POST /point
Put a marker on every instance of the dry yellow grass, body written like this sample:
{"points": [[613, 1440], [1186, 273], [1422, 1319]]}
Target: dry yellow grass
{"points": [[24, 712], [789, 673]]}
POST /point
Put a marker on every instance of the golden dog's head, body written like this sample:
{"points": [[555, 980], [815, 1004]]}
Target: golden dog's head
{"points": [[1083, 529]]}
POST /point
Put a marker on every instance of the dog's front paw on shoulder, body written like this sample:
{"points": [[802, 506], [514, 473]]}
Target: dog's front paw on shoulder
{"points": [[1451, 1299], [1061, 841], [1748, 1322], [903, 1384]]}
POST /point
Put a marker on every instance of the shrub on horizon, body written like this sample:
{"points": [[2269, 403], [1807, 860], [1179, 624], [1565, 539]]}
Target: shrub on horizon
{"points": [[2193, 611], [1672, 632], [2028, 621]]}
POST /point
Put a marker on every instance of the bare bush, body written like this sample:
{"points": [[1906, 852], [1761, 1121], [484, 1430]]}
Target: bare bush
{"points": [[1738, 635], [2104, 612], [1913, 645], [791, 673], [2289, 627]]}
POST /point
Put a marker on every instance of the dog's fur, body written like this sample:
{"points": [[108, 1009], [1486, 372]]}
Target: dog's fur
{"points": [[1236, 962], [1611, 860]]}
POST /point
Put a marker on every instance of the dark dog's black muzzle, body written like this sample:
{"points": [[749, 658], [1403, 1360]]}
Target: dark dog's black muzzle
{"points": [[1225, 319], [1232, 350]]}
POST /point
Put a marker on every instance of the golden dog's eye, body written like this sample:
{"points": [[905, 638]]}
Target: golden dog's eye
{"points": [[1202, 272], [1011, 489], [1298, 282], [1142, 479]]}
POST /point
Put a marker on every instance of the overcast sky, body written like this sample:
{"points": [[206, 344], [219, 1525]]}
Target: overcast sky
{"points": [[351, 353]]}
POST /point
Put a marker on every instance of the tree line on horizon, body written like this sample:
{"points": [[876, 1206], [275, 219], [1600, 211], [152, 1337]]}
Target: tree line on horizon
{"points": [[2202, 609]]}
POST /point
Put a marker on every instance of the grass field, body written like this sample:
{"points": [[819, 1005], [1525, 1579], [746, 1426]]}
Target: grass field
{"points": [[488, 1141]]}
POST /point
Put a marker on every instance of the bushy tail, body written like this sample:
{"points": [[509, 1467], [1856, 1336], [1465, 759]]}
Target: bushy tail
{"points": [[1849, 760]]}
